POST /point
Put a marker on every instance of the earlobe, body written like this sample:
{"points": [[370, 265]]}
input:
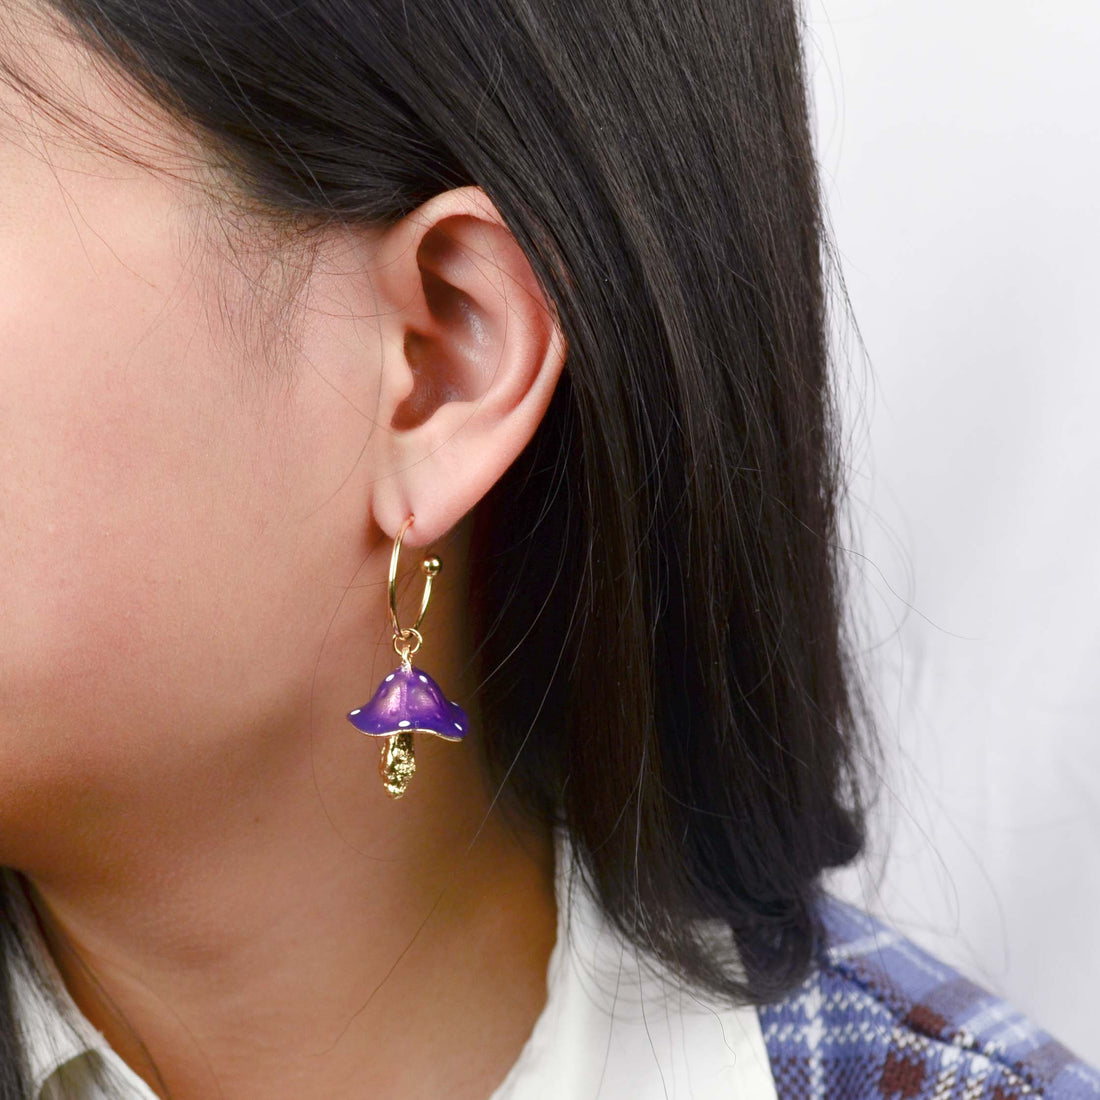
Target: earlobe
{"points": [[473, 353]]}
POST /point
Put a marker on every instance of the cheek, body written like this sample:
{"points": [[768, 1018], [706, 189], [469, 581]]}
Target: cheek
{"points": [[144, 600]]}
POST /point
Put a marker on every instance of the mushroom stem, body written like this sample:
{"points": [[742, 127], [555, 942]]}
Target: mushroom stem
{"points": [[397, 763]]}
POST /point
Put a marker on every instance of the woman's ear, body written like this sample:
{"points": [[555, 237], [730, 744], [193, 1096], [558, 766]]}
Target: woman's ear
{"points": [[472, 352]]}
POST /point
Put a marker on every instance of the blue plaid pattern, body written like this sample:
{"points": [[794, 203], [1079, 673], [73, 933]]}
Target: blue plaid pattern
{"points": [[881, 1019]]}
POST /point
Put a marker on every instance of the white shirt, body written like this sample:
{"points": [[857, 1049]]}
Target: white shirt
{"points": [[613, 1026]]}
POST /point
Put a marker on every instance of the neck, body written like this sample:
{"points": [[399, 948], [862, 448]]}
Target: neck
{"points": [[298, 966]]}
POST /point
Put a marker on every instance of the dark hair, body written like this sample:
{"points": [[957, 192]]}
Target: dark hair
{"points": [[656, 582]]}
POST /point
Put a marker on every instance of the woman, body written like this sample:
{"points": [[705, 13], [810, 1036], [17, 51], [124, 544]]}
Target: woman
{"points": [[295, 293]]}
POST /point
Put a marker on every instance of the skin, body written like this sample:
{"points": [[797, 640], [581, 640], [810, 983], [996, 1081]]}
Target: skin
{"points": [[195, 532]]}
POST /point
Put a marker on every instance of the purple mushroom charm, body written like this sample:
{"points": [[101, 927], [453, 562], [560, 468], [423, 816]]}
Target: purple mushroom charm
{"points": [[407, 701]]}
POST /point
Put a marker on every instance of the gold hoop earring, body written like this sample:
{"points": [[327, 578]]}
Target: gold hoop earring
{"points": [[430, 567], [408, 700]]}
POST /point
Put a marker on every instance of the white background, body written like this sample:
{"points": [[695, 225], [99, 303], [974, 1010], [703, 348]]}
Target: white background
{"points": [[960, 149]]}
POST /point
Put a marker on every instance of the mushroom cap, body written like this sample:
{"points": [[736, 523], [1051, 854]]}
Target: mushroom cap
{"points": [[410, 701]]}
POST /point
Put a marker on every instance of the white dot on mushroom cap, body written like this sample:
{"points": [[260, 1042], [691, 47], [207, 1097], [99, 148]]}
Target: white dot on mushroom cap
{"points": [[389, 678], [424, 679], [403, 722], [356, 711], [457, 726]]}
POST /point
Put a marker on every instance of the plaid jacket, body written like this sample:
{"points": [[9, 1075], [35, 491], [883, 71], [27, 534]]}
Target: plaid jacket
{"points": [[880, 1019]]}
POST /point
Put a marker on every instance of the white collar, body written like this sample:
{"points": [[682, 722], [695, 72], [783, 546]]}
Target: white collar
{"points": [[53, 1031], [616, 1025]]}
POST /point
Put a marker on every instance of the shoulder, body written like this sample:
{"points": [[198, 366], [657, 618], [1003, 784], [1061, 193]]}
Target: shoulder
{"points": [[881, 1019]]}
